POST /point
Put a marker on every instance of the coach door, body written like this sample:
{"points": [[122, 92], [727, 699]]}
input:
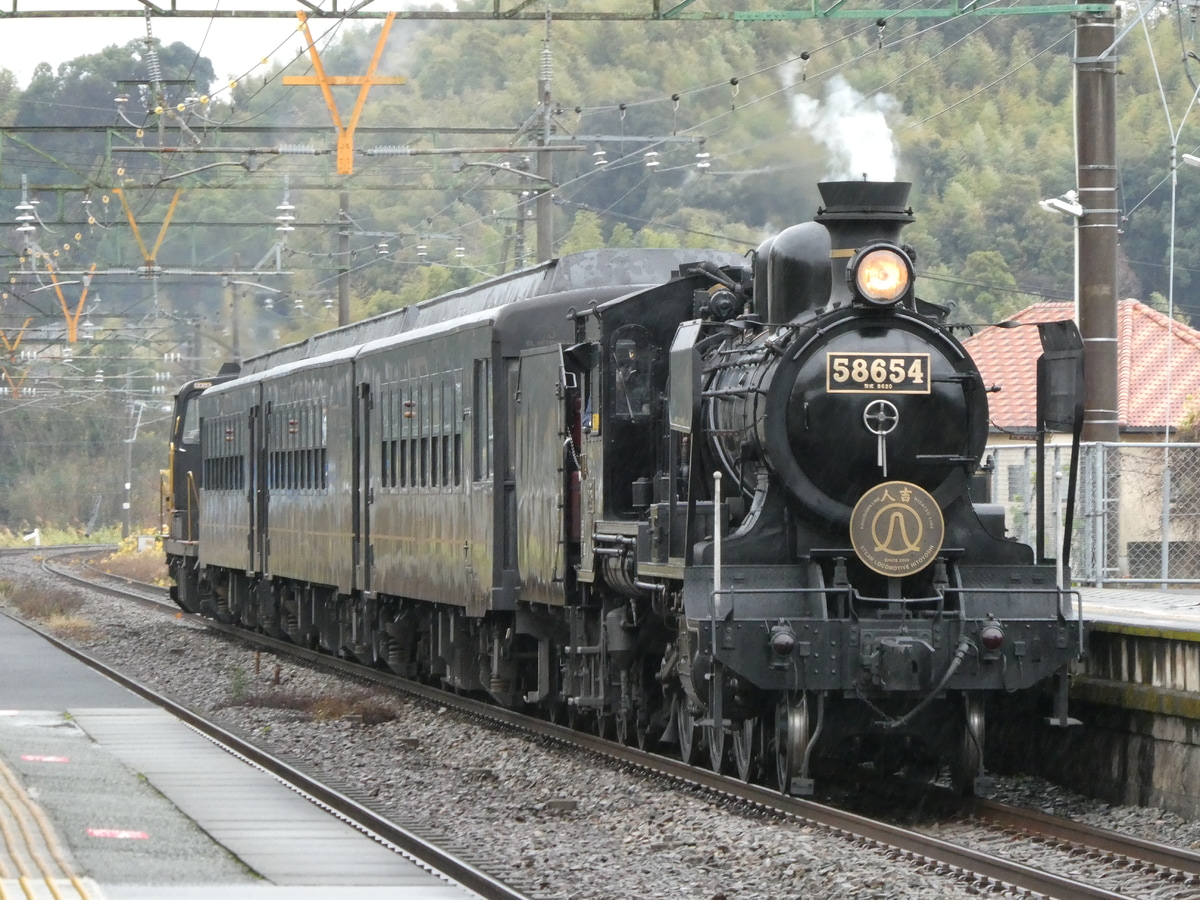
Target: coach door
{"points": [[362, 490], [258, 493], [541, 422]]}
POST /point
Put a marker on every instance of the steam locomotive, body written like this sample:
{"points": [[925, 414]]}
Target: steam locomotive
{"points": [[691, 500]]}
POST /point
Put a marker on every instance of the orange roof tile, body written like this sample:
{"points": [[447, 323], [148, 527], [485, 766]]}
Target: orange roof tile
{"points": [[1146, 341]]}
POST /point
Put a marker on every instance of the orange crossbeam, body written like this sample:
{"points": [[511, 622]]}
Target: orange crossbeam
{"points": [[342, 79], [72, 319], [345, 142], [11, 346], [148, 255], [15, 386]]}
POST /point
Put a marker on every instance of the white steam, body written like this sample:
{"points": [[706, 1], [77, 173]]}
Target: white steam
{"points": [[853, 128]]}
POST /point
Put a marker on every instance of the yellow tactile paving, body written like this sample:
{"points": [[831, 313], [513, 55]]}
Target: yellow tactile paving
{"points": [[48, 889], [32, 864]]}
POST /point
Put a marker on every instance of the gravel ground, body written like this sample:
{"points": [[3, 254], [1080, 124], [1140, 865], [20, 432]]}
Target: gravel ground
{"points": [[570, 826]]}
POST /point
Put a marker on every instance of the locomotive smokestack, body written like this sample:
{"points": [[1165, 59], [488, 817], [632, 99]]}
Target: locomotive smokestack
{"points": [[856, 212], [806, 267]]}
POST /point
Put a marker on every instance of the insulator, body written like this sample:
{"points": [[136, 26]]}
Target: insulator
{"points": [[296, 150], [390, 150], [651, 158], [547, 68]]}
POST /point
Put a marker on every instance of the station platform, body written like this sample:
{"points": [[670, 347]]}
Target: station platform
{"points": [[1168, 608], [104, 796]]}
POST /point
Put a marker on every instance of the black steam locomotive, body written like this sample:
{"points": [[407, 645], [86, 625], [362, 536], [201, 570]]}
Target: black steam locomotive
{"points": [[725, 507]]}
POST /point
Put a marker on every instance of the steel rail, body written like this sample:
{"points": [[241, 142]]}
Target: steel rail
{"points": [[1057, 828], [922, 849]]}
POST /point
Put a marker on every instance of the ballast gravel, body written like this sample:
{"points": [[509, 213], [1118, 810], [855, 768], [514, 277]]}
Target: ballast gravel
{"points": [[559, 822]]}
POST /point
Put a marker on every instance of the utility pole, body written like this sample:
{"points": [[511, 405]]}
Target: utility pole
{"points": [[343, 253], [545, 166], [235, 311], [1096, 231]]}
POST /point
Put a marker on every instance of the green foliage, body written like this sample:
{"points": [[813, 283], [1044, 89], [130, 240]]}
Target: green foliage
{"points": [[978, 111]]}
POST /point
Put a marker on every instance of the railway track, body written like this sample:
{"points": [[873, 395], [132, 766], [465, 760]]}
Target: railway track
{"points": [[400, 838], [1170, 868]]}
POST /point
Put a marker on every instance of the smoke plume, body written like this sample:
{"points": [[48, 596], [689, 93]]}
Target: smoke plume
{"points": [[853, 128]]}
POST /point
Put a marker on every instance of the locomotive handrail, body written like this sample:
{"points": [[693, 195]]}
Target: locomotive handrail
{"points": [[615, 539], [193, 491], [735, 392]]}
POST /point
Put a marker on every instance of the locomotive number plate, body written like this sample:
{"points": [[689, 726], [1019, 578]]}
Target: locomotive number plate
{"points": [[860, 373]]}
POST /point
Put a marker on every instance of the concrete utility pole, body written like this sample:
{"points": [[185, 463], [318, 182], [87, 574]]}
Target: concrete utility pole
{"points": [[1096, 232], [545, 166], [343, 252]]}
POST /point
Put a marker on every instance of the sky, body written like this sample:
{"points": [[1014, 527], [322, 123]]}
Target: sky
{"points": [[235, 46]]}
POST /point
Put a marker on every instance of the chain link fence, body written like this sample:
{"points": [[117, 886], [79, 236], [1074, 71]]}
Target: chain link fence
{"points": [[1129, 497]]}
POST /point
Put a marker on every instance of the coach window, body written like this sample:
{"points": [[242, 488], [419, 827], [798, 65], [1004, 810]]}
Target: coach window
{"points": [[447, 429], [436, 416], [482, 437], [457, 426], [425, 408], [191, 422]]}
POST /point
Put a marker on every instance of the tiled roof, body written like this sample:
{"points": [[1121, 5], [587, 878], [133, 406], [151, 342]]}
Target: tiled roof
{"points": [[1146, 340]]}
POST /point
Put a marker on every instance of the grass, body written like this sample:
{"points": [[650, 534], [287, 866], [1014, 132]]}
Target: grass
{"points": [[147, 566], [363, 706], [51, 535], [41, 604], [58, 611]]}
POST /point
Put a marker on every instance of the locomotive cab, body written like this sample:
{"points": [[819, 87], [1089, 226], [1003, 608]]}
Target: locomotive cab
{"points": [[179, 493]]}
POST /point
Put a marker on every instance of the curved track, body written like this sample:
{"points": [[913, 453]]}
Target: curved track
{"points": [[988, 872]]}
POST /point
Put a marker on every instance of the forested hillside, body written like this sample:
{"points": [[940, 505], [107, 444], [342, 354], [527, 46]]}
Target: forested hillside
{"points": [[686, 134]]}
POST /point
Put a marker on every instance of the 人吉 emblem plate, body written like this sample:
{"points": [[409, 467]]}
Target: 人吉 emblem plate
{"points": [[897, 528]]}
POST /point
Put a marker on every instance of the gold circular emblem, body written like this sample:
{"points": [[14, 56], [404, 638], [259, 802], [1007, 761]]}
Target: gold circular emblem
{"points": [[897, 528]]}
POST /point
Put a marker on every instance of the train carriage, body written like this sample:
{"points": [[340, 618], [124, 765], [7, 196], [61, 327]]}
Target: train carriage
{"points": [[699, 501]]}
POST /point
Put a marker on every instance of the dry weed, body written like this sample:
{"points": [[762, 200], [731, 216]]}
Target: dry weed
{"points": [[71, 628], [370, 709], [41, 604]]}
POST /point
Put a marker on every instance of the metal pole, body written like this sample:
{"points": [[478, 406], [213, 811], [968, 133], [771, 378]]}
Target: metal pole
{"points": [[235, 313], [343, 258], [545, 165], [1058, 539], [716, 594], [1096, 231]]}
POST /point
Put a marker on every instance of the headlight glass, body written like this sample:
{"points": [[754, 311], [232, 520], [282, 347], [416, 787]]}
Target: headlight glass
{"points": [[882, 275]]}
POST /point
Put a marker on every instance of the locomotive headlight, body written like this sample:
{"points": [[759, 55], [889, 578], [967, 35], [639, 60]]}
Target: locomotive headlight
{"points": [[880, 275]]}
